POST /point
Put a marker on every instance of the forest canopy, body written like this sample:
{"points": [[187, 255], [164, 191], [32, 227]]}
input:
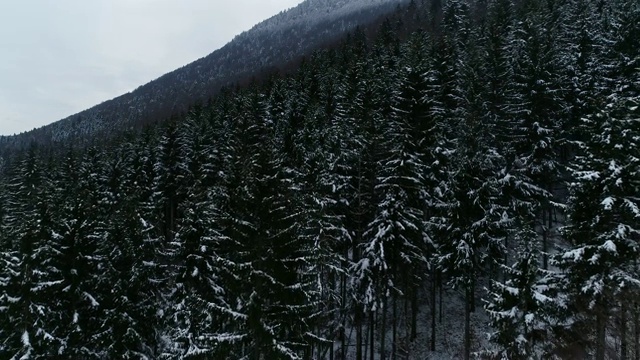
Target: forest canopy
{"points": [[486, 151]]}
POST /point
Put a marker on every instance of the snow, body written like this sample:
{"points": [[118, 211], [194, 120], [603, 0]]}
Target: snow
{"points": [[610, 247], [529, 318], [25, 339], [614, 168], [91, 299], [575, 254], [608, 203], [633, 207]]}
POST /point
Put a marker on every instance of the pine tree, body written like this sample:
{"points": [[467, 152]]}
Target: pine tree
{"points": [[583, 48], [603, 225], [475, 216], [5, 258], [535, 103], [522, 309], [31, 275], [356, 116], [169, 171], [130, 327], [77, 233], [425, 137], [197, 318]]}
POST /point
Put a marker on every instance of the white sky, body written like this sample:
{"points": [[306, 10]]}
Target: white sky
{"points": [[59, 57]]}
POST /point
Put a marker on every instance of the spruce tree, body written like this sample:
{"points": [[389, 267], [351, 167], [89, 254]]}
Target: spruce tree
{"points": [[78, 230], [130, 327], [603, 222], [31, 274], [523, 308]]}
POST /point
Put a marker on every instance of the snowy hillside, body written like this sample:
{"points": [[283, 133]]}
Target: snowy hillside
{"points": [[312, 12], [270, 45]]}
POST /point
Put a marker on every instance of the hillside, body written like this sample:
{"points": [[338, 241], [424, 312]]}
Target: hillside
{"points": [[268, 46], [464, 188]]}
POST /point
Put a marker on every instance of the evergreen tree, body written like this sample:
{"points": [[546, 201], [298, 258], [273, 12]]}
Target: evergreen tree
{"points": [[77, 232], [523, 309], [130, 327], [535, 103], [475, 215], [196, 326], [30, 274], [603, 222]]}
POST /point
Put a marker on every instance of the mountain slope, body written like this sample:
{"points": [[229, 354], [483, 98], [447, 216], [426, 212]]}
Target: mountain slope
{"points": [[273, 43]]}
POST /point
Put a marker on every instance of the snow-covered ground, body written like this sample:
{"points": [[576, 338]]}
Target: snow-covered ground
{"points": [[450, 332], [449, 335]]}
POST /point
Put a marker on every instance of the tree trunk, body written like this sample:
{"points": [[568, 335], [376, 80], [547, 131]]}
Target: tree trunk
{"points": [[433, 310], [372, 320], [343, 306], [414, 313], [545, 244], [440, 294], [383, 329], [601, 323], [623, 331], [405, 312], [636, 326], [394, 344], [358, 324], [472, 293], [358, 307], [467, 324], [550, 226]]}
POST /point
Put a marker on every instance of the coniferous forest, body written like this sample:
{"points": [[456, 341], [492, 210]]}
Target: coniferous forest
{"points": [[489, 158]]}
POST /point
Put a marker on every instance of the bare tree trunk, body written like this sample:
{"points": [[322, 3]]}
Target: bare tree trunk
{"points": [[636, 326], [433, 309], [414, 313], [405, 315], [545, 242], [343, 306], [549, 229], [623, 331], [467, 324], [383, 330], [331, 353], [440, 286], [394, 344], [601, 323], [355, 257], [358, 324], [372, 322], [472, 300]]}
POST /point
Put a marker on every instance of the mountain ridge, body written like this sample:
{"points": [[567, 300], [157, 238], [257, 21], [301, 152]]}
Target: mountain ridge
{"points": [[305, 28]]}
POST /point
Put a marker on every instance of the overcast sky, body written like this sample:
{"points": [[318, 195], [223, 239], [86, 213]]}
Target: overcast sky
{"points": [[59, 57]]}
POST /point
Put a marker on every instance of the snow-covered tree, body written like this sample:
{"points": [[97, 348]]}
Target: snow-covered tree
{"points": [[130, 325], [604, 221], [78, 231], [523, 309], [29, 270], [198, 313]]}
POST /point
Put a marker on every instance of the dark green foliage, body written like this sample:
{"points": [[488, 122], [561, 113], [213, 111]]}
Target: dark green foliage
{"points": [[307, 217]]}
